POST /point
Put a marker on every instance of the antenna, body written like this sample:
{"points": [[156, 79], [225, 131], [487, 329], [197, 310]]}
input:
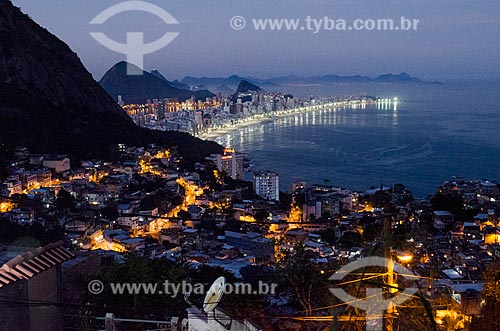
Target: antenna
{"points": [[214, 295]]}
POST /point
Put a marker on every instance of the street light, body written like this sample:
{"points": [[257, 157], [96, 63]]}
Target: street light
{"points": [[405, 257]]}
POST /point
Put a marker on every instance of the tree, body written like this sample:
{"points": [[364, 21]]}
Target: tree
{"points": [[131, 269], [285, 200], [490, 313], [379, 198], [352, 238], [328, 236], [299, 199], [326, 215], [64, 200], [453, 322], [261, 215], [304, 279], [110, 212], [184, 215], [5, 155], [453, 203]]}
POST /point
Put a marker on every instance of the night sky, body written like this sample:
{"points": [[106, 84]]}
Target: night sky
{"points": [[456, 39]]}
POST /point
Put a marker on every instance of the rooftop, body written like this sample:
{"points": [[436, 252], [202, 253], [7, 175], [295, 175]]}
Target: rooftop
{"points": [[442, 213], [30, 264]]}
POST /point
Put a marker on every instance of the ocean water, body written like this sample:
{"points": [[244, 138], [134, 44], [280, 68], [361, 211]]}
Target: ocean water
{"points": [[436, 132]]}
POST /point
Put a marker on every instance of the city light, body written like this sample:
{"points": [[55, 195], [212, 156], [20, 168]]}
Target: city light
{"points": [[405, 257]]}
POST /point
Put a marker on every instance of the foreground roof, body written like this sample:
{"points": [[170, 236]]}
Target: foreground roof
{"points": [[28, 265]]}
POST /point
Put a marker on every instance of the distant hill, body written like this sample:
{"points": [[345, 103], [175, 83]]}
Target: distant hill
{"points": [[139, 88], [245, 88], [401, 78], [289, 80], [213, 84], [334, 79], [224, 90], [158, 74], [51, 104], [179, 85], [174, 83], [232, 81], [293, 80]]}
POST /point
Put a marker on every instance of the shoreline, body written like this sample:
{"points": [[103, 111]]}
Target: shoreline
{"points": [[261, 118]]}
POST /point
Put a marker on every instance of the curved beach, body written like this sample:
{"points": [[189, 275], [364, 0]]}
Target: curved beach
{"points": [[261, 118]]}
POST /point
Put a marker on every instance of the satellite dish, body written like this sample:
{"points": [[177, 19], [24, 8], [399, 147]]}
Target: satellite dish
{"points": [[214, 295]]}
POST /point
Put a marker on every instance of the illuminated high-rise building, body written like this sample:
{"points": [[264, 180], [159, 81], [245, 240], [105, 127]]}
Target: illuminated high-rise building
{"points": [[267, 185], [230, 162]]}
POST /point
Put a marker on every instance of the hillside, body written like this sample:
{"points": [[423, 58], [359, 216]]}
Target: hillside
{"points": [[139, 88], [244, 91], [51, 104]]}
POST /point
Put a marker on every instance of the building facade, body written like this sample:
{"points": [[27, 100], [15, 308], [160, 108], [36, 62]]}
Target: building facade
{"points": [[58, 164], [267, 185], [230, 162]]}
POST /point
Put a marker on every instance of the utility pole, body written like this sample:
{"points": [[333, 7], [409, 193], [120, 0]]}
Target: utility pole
{"points": [[392, 289], [391, 284], [109, 322]]}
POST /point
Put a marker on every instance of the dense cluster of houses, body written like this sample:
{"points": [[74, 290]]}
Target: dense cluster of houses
{"points": [[145, 204]]}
